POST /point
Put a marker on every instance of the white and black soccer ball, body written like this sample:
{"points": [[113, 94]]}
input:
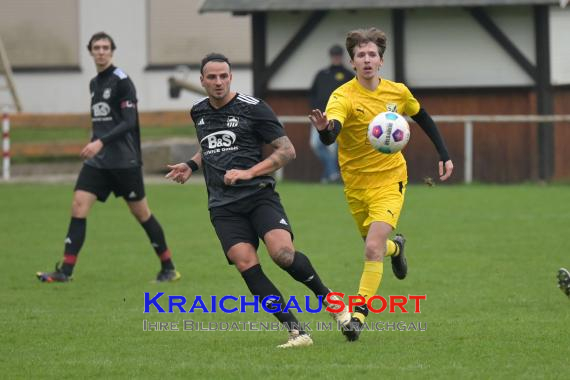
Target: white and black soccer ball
{"points": [[388, 132]]}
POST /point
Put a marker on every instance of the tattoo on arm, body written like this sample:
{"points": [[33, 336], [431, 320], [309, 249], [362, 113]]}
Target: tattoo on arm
{"points": [[284, 152]]}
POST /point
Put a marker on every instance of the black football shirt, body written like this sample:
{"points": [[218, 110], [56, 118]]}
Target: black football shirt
{"points": [[232, 137], [111, 91]]}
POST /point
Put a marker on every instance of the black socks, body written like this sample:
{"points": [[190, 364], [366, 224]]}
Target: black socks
{"points": [[73, 243], [260, 285], [156, 235], [302, 270]]}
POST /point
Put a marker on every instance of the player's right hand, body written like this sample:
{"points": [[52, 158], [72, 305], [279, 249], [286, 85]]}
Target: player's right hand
{"points": [[179, 173], [90, 150], [319, 119]]}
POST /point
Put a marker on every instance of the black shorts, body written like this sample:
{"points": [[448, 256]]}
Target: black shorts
{"points": [[249, 219], [126, 183]]}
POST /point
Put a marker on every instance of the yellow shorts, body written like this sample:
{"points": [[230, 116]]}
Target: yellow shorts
{"points": [[378, 204]]}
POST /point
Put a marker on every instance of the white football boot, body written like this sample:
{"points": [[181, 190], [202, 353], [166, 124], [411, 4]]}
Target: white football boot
{"points": [[297, 340], [342, 318]]}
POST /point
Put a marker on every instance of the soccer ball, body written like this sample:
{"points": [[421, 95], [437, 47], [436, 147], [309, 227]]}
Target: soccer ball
{"points": [[388, 132]]}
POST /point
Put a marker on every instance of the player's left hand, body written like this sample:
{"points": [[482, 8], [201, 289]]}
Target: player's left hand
{"points": [[319, 119], [90, 150], [234, 175], [445, 174]]}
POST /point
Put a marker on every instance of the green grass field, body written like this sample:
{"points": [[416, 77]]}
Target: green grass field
{"points": [[485, 256]]}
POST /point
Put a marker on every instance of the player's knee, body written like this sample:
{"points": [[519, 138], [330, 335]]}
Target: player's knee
{"points": [[375, 250], [244, 264], [141, 215], [140, 211], [79, 208], [283, 256]]}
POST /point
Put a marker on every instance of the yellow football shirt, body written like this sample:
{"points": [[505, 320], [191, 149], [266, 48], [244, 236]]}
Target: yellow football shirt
{"points": [[354, 106]]}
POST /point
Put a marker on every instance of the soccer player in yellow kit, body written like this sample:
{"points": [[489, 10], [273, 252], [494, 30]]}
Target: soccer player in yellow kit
{"points": [[374, 182]]}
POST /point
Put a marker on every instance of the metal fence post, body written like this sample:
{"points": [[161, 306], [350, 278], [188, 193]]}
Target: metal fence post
{"points": [[5, 146]]}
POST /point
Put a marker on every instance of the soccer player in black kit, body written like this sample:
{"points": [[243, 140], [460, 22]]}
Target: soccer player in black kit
{"points": [[112, 163], [244, 206]]}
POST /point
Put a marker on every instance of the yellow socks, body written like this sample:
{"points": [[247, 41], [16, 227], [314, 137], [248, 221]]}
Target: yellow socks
{"points": [[392, 249], [370, 282]]}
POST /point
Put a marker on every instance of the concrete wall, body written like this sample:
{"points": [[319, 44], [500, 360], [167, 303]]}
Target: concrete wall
{"points": [[43, 92]]}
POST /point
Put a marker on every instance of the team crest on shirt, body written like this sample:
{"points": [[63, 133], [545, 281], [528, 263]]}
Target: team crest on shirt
{"points": [[232, 121], [392, 107], [106, 93]]}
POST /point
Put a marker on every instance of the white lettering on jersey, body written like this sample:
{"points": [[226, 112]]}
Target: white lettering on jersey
{"points": [[101, 109], [220, 139]]}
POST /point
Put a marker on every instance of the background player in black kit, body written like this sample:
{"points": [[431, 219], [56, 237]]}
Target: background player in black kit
{"points": [[325, 82], [244, 207], [112, 162]]}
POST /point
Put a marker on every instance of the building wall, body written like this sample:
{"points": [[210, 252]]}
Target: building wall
{"points": [[127, 21], [562, 136], [178, 33], [559, 32], [444, 47]]}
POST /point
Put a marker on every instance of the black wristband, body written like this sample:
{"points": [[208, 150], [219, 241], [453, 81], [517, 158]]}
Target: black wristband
{"points": [[328, 136], [193, 165]]}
